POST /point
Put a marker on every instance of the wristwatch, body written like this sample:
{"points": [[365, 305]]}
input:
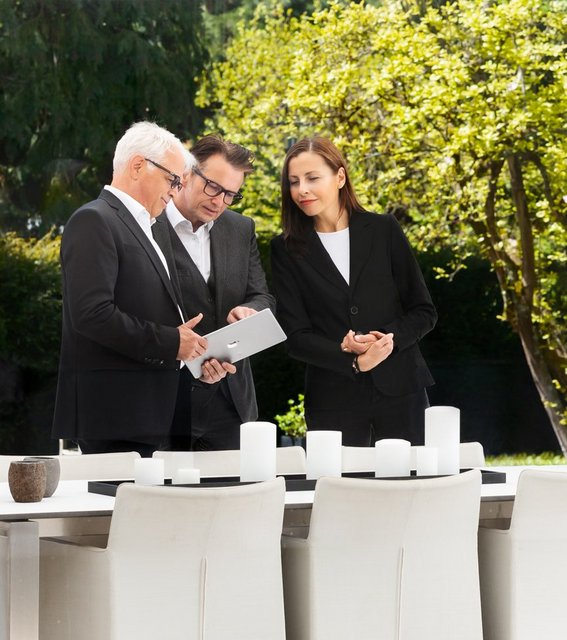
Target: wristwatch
{"points": [[355, 366]]}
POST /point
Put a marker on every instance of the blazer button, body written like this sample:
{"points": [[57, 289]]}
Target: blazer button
{"points": [[210, 300], [354, 310]]}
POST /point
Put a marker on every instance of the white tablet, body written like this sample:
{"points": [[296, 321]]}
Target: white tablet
{"points": [[240, 339]]}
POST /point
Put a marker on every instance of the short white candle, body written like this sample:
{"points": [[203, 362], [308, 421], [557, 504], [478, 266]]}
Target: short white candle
{"points": [[186, 476], [442, 431], [392, 458], [178, 460], [426, 461], [257, 451], [149, 471], [324, 454]]}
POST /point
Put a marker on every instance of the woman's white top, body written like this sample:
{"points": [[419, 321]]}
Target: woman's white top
{"points": [[337, 245]]}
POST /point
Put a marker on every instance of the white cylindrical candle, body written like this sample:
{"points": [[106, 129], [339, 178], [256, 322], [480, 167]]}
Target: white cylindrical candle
{"points": [[257, 451], [186, 476], [426, 461], [149, 471], [324, 454], [442, 431], [392, 458]]}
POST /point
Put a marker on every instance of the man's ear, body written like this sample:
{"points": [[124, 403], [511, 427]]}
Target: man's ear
{"points": [[135, 165]]}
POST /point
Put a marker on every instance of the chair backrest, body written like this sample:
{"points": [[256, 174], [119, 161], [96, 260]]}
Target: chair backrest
{"points": [[227, 463], [364, 458], [98, 466], [216, 550], [539, 507], [471, 455], [358, 459], [290, 460], [5, 462], [92, 466], [396, 555]]}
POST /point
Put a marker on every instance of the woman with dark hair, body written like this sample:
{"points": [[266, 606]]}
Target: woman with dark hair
{"points": [[353, 303]]}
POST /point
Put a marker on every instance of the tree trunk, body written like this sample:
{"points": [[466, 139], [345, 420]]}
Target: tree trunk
{"points": [[554, 404], [535, 347], [519, 302]]}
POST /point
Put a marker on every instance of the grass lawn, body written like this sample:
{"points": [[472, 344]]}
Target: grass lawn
{"points": [[547, 457]]}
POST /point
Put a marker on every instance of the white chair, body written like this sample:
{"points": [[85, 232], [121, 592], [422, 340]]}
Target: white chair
{"points": [[364, 458], [386, 559], [5, 462], [92, 466], [472, 455], [181, 563], [358, 459], [98, 466], [523, 568], [289, 460]]}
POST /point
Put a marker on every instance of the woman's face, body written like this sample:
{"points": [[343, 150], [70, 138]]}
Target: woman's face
{"points": [[314, 186]]}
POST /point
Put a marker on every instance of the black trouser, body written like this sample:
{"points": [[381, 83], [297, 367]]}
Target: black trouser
{"points": [[376, 416], [215, 421]]}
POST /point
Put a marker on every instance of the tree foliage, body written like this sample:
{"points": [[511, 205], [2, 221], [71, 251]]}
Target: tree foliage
{"points": [[74, 74], [30, 302], [453, 115]]}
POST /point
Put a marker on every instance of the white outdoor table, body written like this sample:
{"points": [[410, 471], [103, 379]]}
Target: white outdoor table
{"points": [[72, 510]]}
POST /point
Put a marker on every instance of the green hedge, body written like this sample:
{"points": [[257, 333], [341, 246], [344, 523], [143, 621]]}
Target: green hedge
{"points": [[30, 327]]}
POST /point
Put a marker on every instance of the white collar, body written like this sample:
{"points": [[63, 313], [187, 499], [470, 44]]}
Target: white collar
{"points": [[175, 217]]}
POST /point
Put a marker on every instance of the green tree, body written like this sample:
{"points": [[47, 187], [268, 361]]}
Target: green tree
{"points": [[74, 74], [453, 115], [30, 329]]}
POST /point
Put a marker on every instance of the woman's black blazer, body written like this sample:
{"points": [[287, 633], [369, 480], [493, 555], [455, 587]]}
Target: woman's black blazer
{"points": [[387, 292]]}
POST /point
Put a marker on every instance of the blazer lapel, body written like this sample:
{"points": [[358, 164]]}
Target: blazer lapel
{"points": [[164, 234], [320, 260], [220, 242], [360, 245], [128, 219]]}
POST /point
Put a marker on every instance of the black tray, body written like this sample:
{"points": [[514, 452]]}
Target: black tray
{"points": [[292, 482]]}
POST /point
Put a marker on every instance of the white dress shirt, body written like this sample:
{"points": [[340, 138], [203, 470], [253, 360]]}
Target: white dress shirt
{"points": [[337, 244], [197, 243]]}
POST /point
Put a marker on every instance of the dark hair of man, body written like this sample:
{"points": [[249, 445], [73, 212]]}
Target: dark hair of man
{"points": [[236, 155], [295, 224]]}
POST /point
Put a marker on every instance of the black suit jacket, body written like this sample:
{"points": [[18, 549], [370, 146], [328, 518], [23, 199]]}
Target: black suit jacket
{"points": [[316, 308], [237, 279], [118, 371]]}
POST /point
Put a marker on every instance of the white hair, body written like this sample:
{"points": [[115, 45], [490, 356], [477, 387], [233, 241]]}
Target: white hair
{"points": [[190, 162], [146, 139]]}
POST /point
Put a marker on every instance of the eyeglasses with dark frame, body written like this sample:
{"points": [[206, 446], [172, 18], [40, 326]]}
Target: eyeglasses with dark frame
{"points": [[213, 189], [175, 179]]}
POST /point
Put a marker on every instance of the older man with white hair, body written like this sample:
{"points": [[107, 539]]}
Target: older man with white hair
{"points": [[124, 337]]}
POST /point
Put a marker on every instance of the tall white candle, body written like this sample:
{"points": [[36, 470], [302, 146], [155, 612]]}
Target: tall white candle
{"points": [[443, 431], [426, 461], [186, 476], [324, 454], [257, 451], [392, 458], [149, 471]]}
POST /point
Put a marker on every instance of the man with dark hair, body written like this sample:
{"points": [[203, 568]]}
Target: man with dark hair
{"points": [[214, 254]]}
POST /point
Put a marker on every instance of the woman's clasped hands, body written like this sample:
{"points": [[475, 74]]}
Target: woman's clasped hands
{"points": [[372, 348]]}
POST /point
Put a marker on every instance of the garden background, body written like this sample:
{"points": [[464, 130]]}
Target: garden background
{"points": [[453, 116]]}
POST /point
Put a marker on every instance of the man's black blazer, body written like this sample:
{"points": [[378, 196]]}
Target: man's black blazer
{"points": [[237, 279], [316, 308], [118, 371]]}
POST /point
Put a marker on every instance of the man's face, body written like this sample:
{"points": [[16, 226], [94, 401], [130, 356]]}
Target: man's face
{"points": [[196, 205], [156, 184]]}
